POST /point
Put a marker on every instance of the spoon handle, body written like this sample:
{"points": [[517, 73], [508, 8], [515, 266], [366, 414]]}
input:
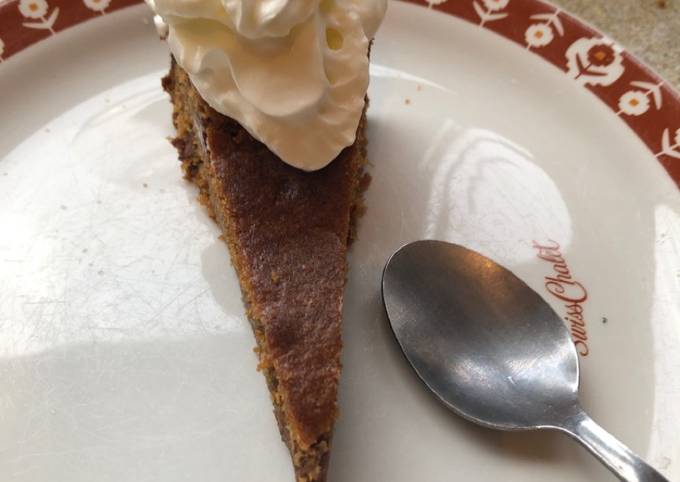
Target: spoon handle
{"points": [[618, 458]]}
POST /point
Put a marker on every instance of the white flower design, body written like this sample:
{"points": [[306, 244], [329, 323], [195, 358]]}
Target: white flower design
{"points": [[539, 35], [431, 3], [495, 5], [594, 61], [33, 8], [97, 5], [37, 10], [491, 13], [637, 102], [634, 102], [668, 149]]}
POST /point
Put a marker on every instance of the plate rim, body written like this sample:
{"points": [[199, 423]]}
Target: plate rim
{"points": [[136, 13], [567, 42], [632, 90]]}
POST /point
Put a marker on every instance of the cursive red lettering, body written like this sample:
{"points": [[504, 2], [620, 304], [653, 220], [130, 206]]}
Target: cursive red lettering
{"points": [[551, 257], [574, 309], [582, 347], [576, 320], [555, 245], [561, 285], [561, 268], [578, 333], [557, 279], [576, 295]]}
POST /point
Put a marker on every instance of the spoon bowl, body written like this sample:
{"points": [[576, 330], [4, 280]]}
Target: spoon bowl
{"points": [[474, 331], [491, 349]]}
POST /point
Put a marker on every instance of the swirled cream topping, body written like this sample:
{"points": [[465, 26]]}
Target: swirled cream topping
{"points": [[294, 73]]}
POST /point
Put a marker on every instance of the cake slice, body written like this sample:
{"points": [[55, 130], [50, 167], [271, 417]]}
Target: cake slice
{"points": [[287, 231]]}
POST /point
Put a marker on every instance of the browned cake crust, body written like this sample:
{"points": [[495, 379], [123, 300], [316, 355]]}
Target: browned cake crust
{"points": [[287, 232]]}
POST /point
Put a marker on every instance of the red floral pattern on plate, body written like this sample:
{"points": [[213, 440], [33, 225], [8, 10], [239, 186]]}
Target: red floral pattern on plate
{"points": [[595, 62], [630, 89], [25, 22]]}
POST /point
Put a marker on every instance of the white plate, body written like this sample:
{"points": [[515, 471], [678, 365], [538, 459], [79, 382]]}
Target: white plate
{"points": [[125, 354]]}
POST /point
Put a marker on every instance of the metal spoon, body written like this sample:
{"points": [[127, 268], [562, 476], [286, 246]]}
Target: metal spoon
{"points": [[491, 349]]}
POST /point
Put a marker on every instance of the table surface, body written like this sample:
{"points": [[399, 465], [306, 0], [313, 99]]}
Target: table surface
{"points": [[648, 28]]}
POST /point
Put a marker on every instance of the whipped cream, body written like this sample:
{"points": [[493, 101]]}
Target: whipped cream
{"points": [[294, 73]]}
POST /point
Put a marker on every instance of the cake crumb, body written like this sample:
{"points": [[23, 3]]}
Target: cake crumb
{"points": [[407, 101], [63, 208], [419, 87], [100, 272], [662, 3], [145, 185], [604, 320]]}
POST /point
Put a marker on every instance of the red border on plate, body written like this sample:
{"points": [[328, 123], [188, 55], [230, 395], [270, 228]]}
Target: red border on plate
{"points": [[636, 94], [26, 22]]}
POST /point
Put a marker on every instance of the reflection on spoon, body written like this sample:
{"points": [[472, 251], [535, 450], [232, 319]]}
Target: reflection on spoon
{"points": [[491, 349]]}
